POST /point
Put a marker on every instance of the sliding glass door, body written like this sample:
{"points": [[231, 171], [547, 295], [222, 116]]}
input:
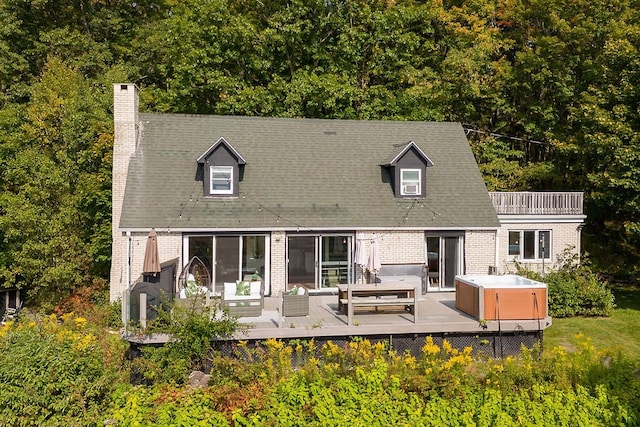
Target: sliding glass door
{"points": [[301, 266], [319, 261], [335, 262], [227, 260], [230, 257], [443, 261]]}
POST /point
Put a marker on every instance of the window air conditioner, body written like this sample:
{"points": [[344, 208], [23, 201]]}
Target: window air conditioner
{"points": [[410, 189]]}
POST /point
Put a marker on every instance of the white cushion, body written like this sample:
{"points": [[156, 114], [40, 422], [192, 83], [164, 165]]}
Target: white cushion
{"points": [[229, 288], [255, 288]]}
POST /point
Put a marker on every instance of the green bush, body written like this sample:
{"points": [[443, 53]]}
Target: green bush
{"points": [[164, 406], [575, 289], [578, 293], [57, 373], [362, 384], [446, 387], [194, 330]]}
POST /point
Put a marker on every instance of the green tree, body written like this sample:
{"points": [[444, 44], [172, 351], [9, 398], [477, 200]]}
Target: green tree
{"points": [[55, 202]]}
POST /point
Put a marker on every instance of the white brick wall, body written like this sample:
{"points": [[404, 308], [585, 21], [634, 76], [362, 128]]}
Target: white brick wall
{"points": [[125, 120], [169, 247], [396, 247], [563, 235], [278, 262], [480, 251]]}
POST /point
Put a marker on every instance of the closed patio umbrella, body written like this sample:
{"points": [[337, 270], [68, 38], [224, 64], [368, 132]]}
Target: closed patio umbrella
{"points": [[373, 264], [361, 257], [151, 263]]}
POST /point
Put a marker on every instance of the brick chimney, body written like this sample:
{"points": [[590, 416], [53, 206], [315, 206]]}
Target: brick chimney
{"points": [[125, 141]]}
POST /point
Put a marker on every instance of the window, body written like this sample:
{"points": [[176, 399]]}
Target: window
{"points": [[530, 244], [221, 179], [231, 257], [410, 182]]}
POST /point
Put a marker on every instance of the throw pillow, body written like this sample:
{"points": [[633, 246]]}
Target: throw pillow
{"points": [[243, 288]]}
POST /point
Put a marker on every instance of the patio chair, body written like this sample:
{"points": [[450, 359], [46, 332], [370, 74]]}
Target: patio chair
{"points": [[11, 313]]}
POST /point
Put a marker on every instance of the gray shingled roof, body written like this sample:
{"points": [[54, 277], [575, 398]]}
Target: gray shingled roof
{"points": [[304, 173]]}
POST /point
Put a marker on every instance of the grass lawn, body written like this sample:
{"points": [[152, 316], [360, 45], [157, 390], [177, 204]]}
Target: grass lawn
{"points": [[620, 332]]}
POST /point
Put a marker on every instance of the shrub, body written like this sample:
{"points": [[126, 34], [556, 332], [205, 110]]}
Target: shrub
{"points": [[55, 373], [362, 383], [194, 331], [446, 387], [92, 302], [578, 293], [164, 406], [574, 289]]}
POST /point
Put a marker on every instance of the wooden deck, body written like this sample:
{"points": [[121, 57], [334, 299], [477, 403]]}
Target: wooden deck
{"points": [[437, 315]]}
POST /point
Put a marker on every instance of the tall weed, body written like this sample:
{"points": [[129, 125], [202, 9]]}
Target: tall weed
{"points": [[56, 373]]}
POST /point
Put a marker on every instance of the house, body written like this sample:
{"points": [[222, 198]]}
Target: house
{"points": [[293, 201], [537, 228]]}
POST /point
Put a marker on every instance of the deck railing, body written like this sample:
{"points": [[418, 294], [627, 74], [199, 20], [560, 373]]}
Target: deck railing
{"points": [[539, 203]]}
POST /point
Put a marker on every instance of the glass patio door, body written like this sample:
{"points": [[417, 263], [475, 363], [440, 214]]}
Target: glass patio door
{"points": [[335, 263], [227, 260], [301, 261], [443, 261], [319, 261], [230, 258]]}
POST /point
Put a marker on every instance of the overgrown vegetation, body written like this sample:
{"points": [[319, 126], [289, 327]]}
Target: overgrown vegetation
{"points": [[64, 371], [365, 383], [58, 371], [574, 288], [195, 331]]}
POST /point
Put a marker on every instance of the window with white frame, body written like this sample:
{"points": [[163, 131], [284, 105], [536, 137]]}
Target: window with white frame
{"points": [[231, 257], [221, 180], [530, 244], [410, 180]]}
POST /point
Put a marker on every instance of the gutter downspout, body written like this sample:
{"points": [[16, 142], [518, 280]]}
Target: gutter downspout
{"points": [[125, 297], [497, 254], [128, 260]]}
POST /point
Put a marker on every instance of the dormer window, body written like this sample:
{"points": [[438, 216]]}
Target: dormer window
{"points": [[407, 170], [410, 182], [220, 168], [221, 180]]}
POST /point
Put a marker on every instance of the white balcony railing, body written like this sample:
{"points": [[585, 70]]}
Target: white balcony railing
{"points": [[537, 203]]}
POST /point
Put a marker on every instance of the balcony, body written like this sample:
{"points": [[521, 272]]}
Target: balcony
{"points": [[537, 203]]}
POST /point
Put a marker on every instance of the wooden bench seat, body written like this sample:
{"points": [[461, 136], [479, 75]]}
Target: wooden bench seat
{"points": [[373, 301], [384, 298]]}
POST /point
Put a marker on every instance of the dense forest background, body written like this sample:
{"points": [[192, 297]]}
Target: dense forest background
{"points": [[547, 90]]}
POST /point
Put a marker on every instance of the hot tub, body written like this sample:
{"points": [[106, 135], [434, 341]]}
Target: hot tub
{"points": [[508, 297]]}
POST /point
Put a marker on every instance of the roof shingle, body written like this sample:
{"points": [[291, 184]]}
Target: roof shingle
{"points": [[301, 173]]}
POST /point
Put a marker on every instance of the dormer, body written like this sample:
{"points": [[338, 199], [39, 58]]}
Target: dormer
{"points": [[221, 169], [407, 170]]}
